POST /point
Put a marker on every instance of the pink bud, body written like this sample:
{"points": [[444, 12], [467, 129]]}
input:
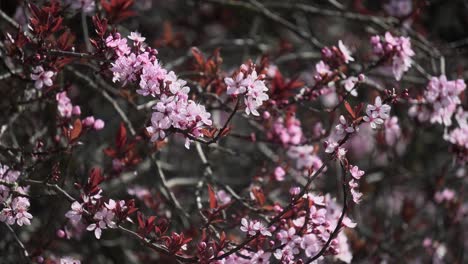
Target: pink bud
{"points": [[361, 77], [277, 208], [266, 115], [279, 173], [76, 110], [88, 121], [326, 52], [117, 165], [253, 137], [294, 191], [375, 40], [60, 233], [98, 124]]}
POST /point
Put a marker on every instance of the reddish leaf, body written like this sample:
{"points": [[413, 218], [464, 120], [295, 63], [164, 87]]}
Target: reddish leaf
{"points": [[211, 193], [226, 131], [198, 56], [259, 196], [76, 131], [349, 109], [121, 138], [65, 41]]}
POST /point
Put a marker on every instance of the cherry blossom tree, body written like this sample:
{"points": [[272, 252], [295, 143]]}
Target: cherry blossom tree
{"points": [[232, 131]]}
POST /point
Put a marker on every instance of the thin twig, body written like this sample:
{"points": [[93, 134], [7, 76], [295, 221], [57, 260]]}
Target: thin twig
{"points": [[25, 252]]}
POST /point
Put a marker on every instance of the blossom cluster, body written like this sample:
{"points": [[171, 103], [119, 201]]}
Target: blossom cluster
{"points": [[335, 56], [304, 235], [376, 115], [458, 136], [287, 130], [396, 49], [174, 111], [94, 211], [66, 109], [253, 226], [356, 175], [332, 58], [305, 157], [248, 83], [442, 96], [441, 104], [14, 202]]}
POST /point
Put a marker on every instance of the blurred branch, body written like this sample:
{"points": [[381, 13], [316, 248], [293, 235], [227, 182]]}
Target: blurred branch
{"points": [[24, 251], [258, 7]]}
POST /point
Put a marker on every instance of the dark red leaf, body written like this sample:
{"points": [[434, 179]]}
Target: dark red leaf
{"points": [[198, 56], [349, 109], [76, 131], [211, 193]]}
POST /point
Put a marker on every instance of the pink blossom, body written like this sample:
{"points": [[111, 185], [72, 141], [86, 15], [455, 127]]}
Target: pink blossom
{"points": [[322, 69], [287, 131], [398, 8], [247, 227], [357, 196], [392, 130], [311, 245], [443, 96], [345, 52], [458, 137], [234, 85], [223, 197], [159, 123], [254, 226], [398, 49], [305, 157], [139, 191], [118, 44], [98, 124], [343, 126], [76, 110], [350, 84], [41, 77], [356, 172], [331, 146], [344, 250], [7, 175], [124, 69], [20, 206], [261, 257], [252, 87], [88, 121], [341, 153], [255, 97], [444, 195], [151, 79], [136, 37], [75, 213], [377, 113], [64, 105], [279, 173], [288, 236], [104, 219]]}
